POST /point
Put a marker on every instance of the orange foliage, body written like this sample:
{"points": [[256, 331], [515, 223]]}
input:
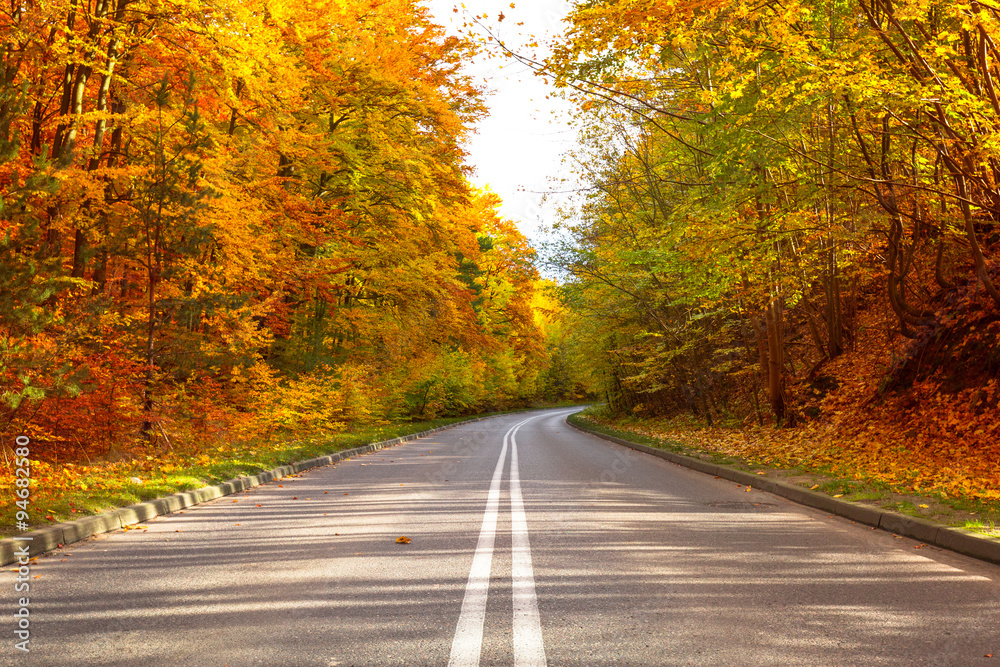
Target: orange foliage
{"points": [[242, 219]]}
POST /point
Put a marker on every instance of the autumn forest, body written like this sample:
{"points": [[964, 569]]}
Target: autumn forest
{"points": [[230, 224], [791, 224]]}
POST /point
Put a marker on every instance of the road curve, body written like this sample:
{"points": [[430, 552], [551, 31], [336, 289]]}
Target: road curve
{"points": [[530, 544]]}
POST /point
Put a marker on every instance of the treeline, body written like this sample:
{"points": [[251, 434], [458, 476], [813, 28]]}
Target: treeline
{"points": [[225, 218], [773, 185]]}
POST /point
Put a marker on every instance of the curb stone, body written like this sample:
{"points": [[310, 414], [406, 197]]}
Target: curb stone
{"points": [[51, 537], [959, 540]]}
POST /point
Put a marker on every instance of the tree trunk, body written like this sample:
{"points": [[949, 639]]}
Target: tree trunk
{"points": [[834, 311], [774, 317]]}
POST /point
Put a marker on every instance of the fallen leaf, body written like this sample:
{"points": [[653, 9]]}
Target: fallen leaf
{"points": [[925, 506], [748, 488], [403, 539], [838, 495], [814, 487]]}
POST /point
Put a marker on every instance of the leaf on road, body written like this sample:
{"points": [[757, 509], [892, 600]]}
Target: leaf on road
{"points": [[403, 539]]}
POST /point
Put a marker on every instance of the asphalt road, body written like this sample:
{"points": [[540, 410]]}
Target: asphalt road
{"points": [[585, 553]]}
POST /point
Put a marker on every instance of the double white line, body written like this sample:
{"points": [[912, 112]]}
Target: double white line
{"points": [[468, 642]]}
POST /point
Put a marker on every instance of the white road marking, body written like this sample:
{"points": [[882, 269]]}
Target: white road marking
{"points": [[468, 642], [528, 648]]}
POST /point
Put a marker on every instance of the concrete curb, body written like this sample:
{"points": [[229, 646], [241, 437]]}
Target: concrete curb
{"points": [[959, 540], [51, 537]]}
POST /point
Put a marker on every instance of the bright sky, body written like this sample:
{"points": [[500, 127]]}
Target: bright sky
{"points": [[517, 150]]}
